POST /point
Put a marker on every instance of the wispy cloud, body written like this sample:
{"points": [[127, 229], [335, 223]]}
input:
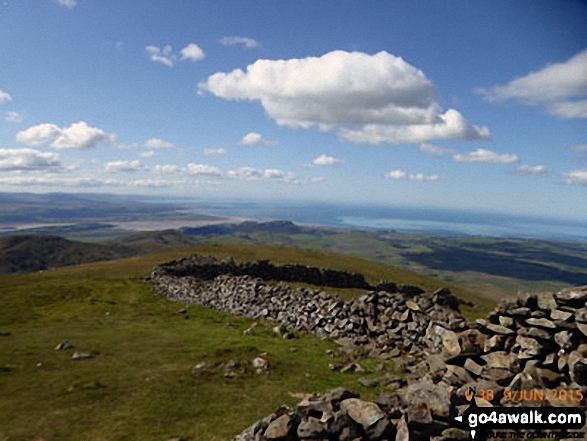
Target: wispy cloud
{"points": [[578, 177], [531, 169], [214, 152], [432, 149], [487, 157], [562, 87], [68, 3], [156, 143], [400, 175], [4, 97], [245, 41], [166, 56], [13, 117]]}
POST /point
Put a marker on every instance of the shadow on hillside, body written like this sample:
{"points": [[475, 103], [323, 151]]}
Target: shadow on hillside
{"points": [[459, 259]]}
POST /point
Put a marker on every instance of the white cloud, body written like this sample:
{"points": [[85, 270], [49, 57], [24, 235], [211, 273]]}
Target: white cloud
{"points": [[569, 109], [164, 56], [4, 97], [254, 138], [402, 175], [435, 150], [579, 148], [78, 136], [486, 156], [29, 160], [13, 117], [192, 52], [257, 174], [557, 83], [576, 177], [391, 100], [214, 152], [204, 170], [245, 41], [158, 183], [167, 168], [124, 166], [147, 154], [531, 169], [68, 3], [59, 182], [326, 160], [156, 143], [451, 125]]}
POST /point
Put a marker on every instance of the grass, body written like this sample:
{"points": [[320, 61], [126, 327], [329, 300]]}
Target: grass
{"points": [[139, 385]]}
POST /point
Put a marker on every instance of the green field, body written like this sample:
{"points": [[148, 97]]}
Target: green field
{"points": [[139, 385]]}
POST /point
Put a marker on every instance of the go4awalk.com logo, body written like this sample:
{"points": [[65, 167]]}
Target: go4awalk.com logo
{"points": [[529, 422]]}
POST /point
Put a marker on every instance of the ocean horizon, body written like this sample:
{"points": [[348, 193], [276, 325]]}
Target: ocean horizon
{"points": [[441, 221]]}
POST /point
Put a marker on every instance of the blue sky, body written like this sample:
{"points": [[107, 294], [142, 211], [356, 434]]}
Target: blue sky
{"points": [[477, 105]]}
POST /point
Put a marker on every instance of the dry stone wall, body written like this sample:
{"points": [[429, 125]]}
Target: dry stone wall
{"points": [[536, 343]]}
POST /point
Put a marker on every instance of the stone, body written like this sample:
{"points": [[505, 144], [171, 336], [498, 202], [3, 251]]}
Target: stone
{"points": [[312, 428], [498, 329], [541, 322], [450, 341], [82, 356], [259, 363], [506, 321], [582, 327], [412, 305], [369, 382], [452, 433], [473, 367], [363, 412], [424, 395], [557, 314], [403, 433], [581, 315], [501, 359], [494, 343], [529, 348], [572, 295], [535, 333], [279, 428], [63, 345], [564, 339]]}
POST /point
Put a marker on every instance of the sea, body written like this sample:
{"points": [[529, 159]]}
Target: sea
{"points": [[442, 221]]}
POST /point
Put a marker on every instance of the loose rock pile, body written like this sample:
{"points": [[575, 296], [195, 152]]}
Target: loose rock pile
{"points": [[529, 352]]}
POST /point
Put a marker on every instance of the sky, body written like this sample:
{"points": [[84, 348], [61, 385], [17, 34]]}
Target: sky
{"points": [[458, 104]]}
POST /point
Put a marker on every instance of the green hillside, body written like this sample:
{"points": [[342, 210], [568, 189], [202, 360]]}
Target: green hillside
{"points": [[26, 253], [139, 383]]}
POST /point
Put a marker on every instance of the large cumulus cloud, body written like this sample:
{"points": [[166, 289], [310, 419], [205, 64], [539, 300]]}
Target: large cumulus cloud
{"points": [[367, 98]]}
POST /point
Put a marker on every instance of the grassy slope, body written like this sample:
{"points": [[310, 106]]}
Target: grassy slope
{"points": [[139, 384]]}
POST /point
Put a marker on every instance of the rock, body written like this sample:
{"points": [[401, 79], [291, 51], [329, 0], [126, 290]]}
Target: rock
{"points": [[557, 314], [473, 367], [498, 329], [501, 359], [450, 341], [403, 434], [541, 322], [426, 395], [259, 363], [280, 428], [574, 295], [582, 327], [63, 345], [494, 343], [564, 340], [363, 412], [312, 428], [529, 348], [82, 356], [452, 433]]}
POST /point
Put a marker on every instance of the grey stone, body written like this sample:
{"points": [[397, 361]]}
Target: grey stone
{"points": [[557, 314], [574, 294], [541, 322], [564, 339], [498, 329], [363, 412], [63, 345], [280, 428], [82, 356]]}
